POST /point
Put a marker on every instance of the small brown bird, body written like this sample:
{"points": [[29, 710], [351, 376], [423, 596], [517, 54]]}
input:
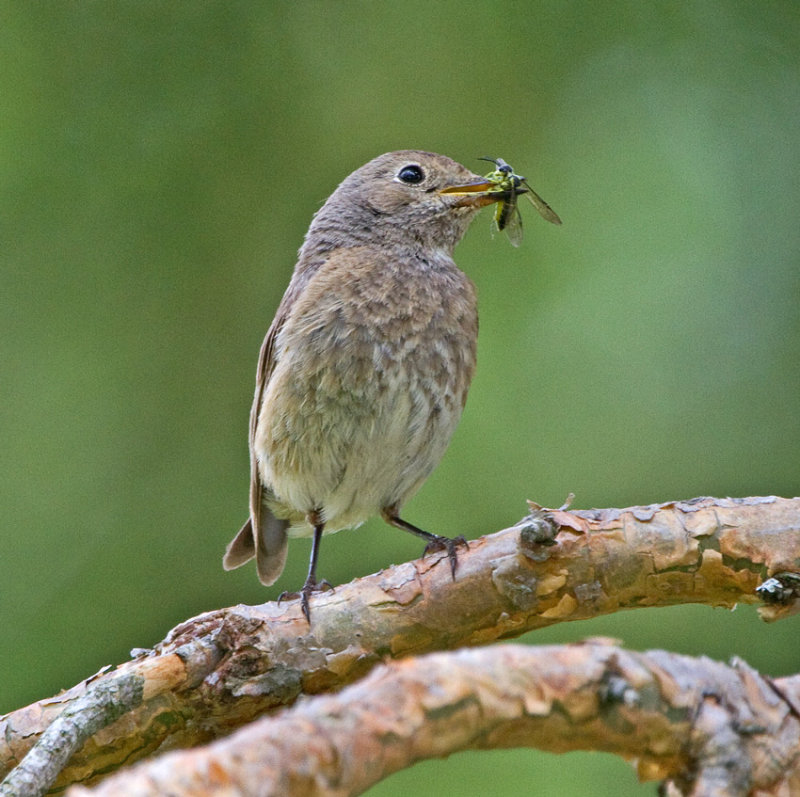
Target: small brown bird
{"points": [[364, 371]]}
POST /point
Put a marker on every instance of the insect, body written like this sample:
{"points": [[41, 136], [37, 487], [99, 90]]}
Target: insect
{"points": [[507, 216]]}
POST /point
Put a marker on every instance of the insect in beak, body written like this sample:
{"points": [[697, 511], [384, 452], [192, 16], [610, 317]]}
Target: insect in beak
{"points": [[509, 186]]}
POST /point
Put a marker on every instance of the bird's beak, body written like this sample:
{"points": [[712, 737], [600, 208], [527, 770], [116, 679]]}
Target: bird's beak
{"points": [[478, 194]]}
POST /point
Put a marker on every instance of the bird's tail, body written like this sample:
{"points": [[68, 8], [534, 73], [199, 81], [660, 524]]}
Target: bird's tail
{"points": [[269, 546]]}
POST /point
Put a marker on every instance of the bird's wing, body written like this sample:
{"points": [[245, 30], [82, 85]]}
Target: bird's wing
{"points": [[243, 546], [266, 364], [262, 534]]}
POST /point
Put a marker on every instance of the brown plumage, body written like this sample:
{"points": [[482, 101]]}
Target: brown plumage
{"points": [[364, 371]]}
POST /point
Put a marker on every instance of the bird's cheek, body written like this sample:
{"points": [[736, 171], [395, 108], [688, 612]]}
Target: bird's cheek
{"points": [[387, 200]]}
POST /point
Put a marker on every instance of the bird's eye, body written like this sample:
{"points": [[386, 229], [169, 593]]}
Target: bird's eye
{"points": [[411, 174]]}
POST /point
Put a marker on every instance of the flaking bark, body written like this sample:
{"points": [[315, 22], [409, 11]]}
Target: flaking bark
{"points": [[223, 668], [706, 728]]}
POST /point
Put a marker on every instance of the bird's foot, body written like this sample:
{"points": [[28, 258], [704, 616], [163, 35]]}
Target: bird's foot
{"points": [[309, 588], [440, 543]]}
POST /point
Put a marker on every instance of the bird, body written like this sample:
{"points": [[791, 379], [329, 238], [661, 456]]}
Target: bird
{"points": [[364, 372]]}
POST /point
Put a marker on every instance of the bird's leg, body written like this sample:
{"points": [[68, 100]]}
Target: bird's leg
{"points": [[436, 542], [311, 585]]}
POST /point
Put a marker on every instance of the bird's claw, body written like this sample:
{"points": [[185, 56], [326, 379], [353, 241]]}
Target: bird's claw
{"points": [[440, 543], [309, 588]]}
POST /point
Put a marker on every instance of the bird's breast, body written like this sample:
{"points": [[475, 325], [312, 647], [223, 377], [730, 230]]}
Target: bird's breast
{"points": [[372, 371]]}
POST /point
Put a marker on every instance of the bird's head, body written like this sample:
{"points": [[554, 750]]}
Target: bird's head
{"points": [[407, 197]]}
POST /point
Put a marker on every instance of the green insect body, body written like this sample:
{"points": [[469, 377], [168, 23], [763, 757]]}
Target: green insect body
{"points": [[507, 216]]}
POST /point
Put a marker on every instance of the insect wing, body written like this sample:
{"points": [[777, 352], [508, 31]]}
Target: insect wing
{"points": [[513, 223], [545, 211]]}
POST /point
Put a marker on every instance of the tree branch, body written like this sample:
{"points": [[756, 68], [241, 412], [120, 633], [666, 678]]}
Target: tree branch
{"points": [[99, 707], [223, 668], [710, 729]]}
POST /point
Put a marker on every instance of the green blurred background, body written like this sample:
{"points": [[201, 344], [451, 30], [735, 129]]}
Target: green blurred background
{"points": [[160, 164]]}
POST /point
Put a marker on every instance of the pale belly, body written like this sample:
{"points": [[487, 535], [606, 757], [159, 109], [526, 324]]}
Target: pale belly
{"points": [[349, 434], [349, 446]]}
